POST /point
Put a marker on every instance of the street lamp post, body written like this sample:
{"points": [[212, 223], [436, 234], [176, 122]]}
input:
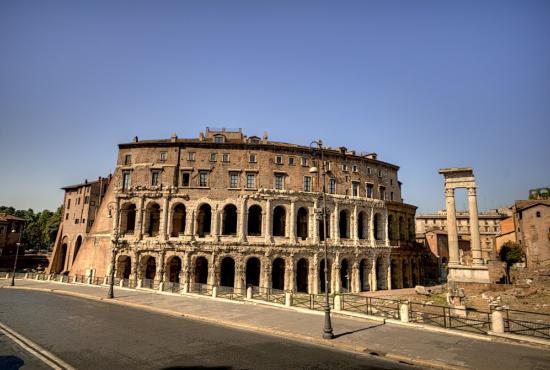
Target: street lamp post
{"points": [[18, 244], [115, 242], [327, 330]]}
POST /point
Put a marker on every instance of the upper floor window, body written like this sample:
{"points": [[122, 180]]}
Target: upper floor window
{"points": [[369, 171], [344, 167], [279, 180], [382, 192], [185, 178], [307, 183], [128, 159], [86, 199], [279, 159], [380, 173], [219, 139], [538, 213], [250, 181], [303, 161], [213, 157], [225, 157], [163, 156], [391, 195], [191, 156], [252, 158], [68, 204], [355, 189], [354, 168], [155, 178], [66, 216], [370, 188], [233, 179], [332, 186], [125, 180], [291, 161], [391, 181], [203, 178]]}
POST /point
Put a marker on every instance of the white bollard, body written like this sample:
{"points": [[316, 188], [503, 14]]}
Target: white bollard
{"points": [[288, 299], [26, 276], [249, 293], [214, 292], [161, 286], [404, 312], [74, 279], [121, 283], [337, 302], [497, 320], [139, 283], [186, 288]]}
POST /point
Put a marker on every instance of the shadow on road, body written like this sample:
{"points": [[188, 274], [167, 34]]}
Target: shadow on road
{"points": [[358, 330], [11, 362]]}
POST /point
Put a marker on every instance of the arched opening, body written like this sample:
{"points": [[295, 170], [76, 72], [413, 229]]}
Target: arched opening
{"points": [[279, 221], [253, 266], [77, 246], [178, 220], [322, 282], [322, 227], [343, 223], [378, 227], [414, 273], [411, 230], [124, 267], [229, 220], [128, 218], [153, 214], [174, 270], [402, 229], [391, 228], [62, 255], [405, 272], [345, 275], [394, 274], [302, 224], [204, 219], [363, 275], [255, 220], [150, 268], [302, 272], [278, 274], [361, 232], [227, 272], [380, 274], [201, 270]]}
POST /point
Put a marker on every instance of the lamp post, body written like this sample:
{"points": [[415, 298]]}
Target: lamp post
{"points": [[114, 241], [18, 244], [327, 330]]}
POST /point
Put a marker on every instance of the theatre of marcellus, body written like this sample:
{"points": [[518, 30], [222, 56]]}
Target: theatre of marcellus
{"points": [[229, 210]]}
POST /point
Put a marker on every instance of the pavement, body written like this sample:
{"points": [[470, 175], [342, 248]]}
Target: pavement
{"points": [[405, 344]]}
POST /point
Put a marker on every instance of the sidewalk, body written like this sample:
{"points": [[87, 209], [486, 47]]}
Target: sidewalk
{"points": [[411, 345]]}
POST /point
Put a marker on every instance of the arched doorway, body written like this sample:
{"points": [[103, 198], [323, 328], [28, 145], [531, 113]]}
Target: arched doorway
{"points": [[405, 272], [361, 233], [302, 224], [302, 272], [128, 218], [378, 227], [153, 214], [124, 267], [278, 274], [363, 275], [345, 275], [201, 270], [279, 221], [381, 282], [229, 220], [150, 268], [77, 245], [253, 266], [322, 282], [414, 273], [343, 224], [391, 228], [321, 227], [174, 269], [204, 219], [394, 274], [178, 220], [227, 272], [255, 220]]}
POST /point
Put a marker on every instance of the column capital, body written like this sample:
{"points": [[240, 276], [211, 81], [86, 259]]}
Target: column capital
{"points": [[449, 192], [472, 190]]}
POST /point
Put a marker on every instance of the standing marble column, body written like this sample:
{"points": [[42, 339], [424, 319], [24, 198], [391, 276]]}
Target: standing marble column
{"points": [[292, 220], [189, 225], [267, 223], [388, 276], [355, 226], [452, 235], [355, 278], [139, 219], [386, 228], [164, 219], [373, 280], [371, 227], [243, 219], [474, 227], [336, 223], [216, 225], [314, 222]]}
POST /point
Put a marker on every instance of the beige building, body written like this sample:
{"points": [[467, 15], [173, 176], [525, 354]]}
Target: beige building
{"points": [[229, 210]]}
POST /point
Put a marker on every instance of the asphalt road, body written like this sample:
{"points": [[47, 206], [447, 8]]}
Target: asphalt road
{"points": [[96, 335]]}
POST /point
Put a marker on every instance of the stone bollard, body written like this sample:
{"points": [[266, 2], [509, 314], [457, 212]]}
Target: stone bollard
{"points": [[26, 276], [105, 280], [214, 291], [139, 283], [161, 286], [404, 312], [74, 279], [288, 299], [49, 277], [337, 302], [186, 288], [7, 275], [121, 283], [249, 293], [89, 280], [497, 320]]}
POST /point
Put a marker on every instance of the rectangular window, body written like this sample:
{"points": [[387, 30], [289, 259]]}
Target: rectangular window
{"points": [[251, 181], [86, 199], [225, 157], [370, 189], [369, 171], [332, 186], [291, 161], [382, 192], [279, 159], [155, 178], [163, 156], [233, 180], [76, 220], [203, 178], [354, 168], [77, 201], [185, 179], [218, 139], [391, 181], [303, 161], [391, 195], [128, 159], [355, 189], [68, 204], [191, 156], [279, 182], [125, 180], [307, 183], [66, 216], [213, 157], [380, 173], [344, 167], [252, 158]]}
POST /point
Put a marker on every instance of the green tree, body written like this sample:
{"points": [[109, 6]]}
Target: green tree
{"points": [[510, 252]]}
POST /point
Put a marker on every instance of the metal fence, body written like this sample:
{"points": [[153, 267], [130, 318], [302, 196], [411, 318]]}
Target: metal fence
{"points": [[202, 289], [172, 287], [232, 293], [149, 283], [311, 301], [271, 295], [81, 279], [533, 324], [450, 318], [387, 308]]}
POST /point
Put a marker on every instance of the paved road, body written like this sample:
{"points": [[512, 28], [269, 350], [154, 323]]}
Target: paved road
{"points": [[92, 335]]}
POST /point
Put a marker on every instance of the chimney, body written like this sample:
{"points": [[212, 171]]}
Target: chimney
{"points": [[174, 138], [135, 139], [265, 136]]}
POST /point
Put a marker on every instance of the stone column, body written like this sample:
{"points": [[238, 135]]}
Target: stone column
{"points": [[315, 279], [452, 235], [164, 220], [239, 282], [243, 220], [355, 226], [371, 227], [216, 225], [388, 276], [336, 223], [159, 275], [292, 219], [290, 280], [386, 234], [335, 280], [355, 278], [474, 227], [186, 269], [267, 222], [139, 219], [315, 222], [212, 270], [190, 225], [373, 280]]}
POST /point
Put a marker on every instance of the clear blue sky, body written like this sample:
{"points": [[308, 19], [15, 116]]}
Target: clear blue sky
{"points": [[425, 84]]}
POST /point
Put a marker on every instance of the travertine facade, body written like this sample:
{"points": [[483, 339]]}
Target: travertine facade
{"points": [[231, 210]]}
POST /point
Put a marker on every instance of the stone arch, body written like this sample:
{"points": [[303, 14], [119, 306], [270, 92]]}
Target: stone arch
{"points": [[405, 272], [302, 274], [402, 229], [124, 267], [362, 230], [381, 273], [344, 224], [173, 267], [391, 228], [302, 223], [200, 270], [77, 245], [152, 214], [411, 230], [179, 215], [363, 275], [414, 274], [322, 283], [254, 220], [252, 271], [61, 256], [279, 221], [321, 227], [227, 272], [278, 273], [229, 220], [395, 267], [149, 267], [127, 218], [378, 227], [204, 220], [345, 275]]}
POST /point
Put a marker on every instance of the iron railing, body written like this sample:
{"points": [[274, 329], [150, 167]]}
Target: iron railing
{"points": [[172, 287], [231, 293], [311, 301], [533, 324], [271, 295], [470, 320], [387, 308], [202, 289], [149, 283]]}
